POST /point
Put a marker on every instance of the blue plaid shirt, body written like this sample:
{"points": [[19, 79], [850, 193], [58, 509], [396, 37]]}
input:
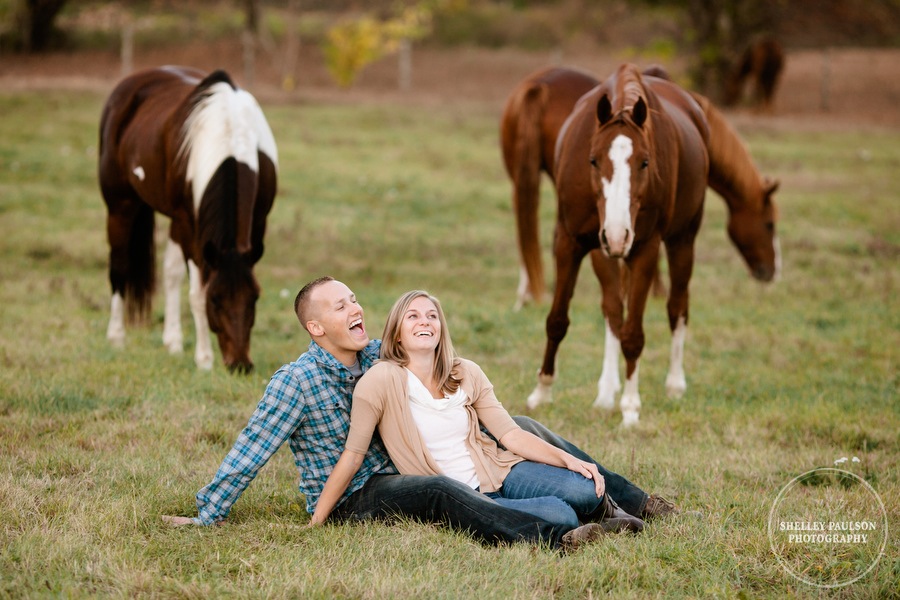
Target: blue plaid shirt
{"points": [[307, 404]]}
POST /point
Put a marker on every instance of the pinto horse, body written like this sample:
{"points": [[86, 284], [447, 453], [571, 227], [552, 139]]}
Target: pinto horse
{"points": [[534, 114], [631, 174], [197, 149]]}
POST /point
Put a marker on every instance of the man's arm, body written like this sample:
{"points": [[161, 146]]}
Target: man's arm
{"points": [[276, 417]]}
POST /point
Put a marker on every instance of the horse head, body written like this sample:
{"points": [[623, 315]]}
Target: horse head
{"points": [[619, 157], [231, 295], [752, 230]]}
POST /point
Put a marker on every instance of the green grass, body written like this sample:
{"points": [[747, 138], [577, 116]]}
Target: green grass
{"points": [[96, 444]]}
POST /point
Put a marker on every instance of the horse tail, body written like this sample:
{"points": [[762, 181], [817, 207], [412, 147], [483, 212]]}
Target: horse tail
{"points": [[526, 176], [140, 277]]}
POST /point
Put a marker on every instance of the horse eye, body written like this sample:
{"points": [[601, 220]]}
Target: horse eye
{"points": [[770, 227], [593, 162], [645, 164]]}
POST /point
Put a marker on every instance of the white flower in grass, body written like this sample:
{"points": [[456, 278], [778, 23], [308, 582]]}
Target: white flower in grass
{"points": [[841, 460], [856, 459]]}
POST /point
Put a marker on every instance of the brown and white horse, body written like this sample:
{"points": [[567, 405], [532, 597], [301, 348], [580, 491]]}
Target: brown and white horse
{"points": [[197, 149], [631, 173], [529, 127]]}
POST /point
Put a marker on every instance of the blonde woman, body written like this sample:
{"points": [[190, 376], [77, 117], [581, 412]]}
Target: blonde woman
{"points": [[429, 406]]}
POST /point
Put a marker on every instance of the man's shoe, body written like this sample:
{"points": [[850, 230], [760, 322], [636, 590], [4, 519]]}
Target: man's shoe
{"points": [[657, 506], [622, 521], [572, 540]]}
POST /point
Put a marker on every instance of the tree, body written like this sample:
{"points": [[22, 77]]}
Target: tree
{"points": [[353, 44], [719, 31], [33, 20]]}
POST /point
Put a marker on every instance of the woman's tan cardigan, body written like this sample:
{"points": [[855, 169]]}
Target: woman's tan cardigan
{"points": [[381, 400]]}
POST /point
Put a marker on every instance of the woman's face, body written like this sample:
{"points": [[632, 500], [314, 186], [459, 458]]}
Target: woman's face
{"points": [[420, 326]]}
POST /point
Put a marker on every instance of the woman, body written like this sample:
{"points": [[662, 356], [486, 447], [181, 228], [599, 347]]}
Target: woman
{"points": [[429, 405]]}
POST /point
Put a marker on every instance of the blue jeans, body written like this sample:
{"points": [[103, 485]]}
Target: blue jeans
{"points": [[628, 496], [441, 500], [552, 493]]}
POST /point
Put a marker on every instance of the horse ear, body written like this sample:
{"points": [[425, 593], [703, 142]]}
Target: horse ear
{"points": [[771, 185], [211, 255], [639, 112], [604, 110], [256, 253]]}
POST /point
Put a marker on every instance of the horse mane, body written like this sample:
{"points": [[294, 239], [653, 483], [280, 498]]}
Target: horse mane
{"points": [[215, 137], [629, 89], [732, 172]]}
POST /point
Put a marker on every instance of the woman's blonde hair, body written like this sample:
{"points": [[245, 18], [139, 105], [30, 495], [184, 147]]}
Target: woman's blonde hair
{"points": [[445, 358]]}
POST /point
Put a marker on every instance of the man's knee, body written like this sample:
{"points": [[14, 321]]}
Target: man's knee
{"points": [[440, 484], [528, 424]]}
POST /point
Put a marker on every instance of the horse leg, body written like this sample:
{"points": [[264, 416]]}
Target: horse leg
{"points": [[681, 263], [569, 255], [118, 229], [607, 272], [642, 265], [174, 271], [203, 355], [115, 331], [129, 230]]}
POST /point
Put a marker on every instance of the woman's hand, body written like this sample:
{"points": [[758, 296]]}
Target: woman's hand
{"points": [[588, 470], [531, 447]]}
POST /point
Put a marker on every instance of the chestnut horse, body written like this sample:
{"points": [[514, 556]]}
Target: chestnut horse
{"points": [[532, 117], [529, 127], [761, 63], [197, 149], [631, 173]]}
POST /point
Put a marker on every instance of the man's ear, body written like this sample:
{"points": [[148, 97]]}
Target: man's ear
{"points": [[315, 328]]}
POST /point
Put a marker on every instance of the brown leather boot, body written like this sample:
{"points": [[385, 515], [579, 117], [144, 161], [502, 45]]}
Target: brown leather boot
{"points": [[614, 519], [657, 506], [572, 540]]}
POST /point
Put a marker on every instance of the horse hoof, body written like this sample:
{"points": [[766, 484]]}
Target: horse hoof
{"points": [[204, 363], [606, 402], [174, 347], [675, 389], [538, 397], [630, 418]]}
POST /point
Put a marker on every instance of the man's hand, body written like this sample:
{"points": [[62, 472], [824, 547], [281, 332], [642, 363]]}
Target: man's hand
{"points": [[177, 521]]}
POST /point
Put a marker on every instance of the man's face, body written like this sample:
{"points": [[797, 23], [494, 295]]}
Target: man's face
{"points": [[337, 322]]}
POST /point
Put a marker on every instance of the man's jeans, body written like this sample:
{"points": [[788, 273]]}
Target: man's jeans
{"points": [[439, 499], [628, 496]]}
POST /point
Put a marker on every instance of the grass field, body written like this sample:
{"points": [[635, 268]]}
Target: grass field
{"points": [[96, 444]]}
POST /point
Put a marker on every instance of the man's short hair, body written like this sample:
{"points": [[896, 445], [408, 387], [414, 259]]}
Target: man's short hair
{"points": [[302, 301]]}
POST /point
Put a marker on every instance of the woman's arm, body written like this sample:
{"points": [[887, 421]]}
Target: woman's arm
{"points": [[533, 448], [336, 484], [493, 416]]}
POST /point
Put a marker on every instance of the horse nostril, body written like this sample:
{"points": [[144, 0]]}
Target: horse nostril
{"points": [[603, 238], [627, 235]]}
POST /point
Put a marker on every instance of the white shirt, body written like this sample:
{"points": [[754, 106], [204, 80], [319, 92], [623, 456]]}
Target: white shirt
{"points": [[444, 425]]}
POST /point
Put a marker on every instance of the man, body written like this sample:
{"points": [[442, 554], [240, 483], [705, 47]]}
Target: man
{"points": [[307, 404]]}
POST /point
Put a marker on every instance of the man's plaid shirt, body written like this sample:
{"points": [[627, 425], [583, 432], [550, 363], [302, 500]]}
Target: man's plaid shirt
{"points": [[307, 404]]}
